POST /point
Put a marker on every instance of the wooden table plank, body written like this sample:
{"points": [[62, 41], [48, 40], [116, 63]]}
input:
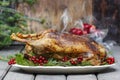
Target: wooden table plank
{"points": [[3, 69], [50, 77], [5, 52], [115, 75], [2, 74], [116, 54], [3, 65], [114, 72], [18, 76], [13, 74], [82, 77], [10, 50]]}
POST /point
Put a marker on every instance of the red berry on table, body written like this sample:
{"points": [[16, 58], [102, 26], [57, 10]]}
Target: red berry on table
{"points": [[12, 61], [9, 63], [110, 60]]}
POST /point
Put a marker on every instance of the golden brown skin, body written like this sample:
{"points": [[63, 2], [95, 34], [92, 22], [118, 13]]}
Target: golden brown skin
{"points": [[50, 43]]}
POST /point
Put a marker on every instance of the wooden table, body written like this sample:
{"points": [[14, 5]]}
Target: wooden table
{"points": [[10, 73]]}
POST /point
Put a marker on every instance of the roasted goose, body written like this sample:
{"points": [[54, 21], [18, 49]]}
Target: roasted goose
{"points": [[51, 43]]}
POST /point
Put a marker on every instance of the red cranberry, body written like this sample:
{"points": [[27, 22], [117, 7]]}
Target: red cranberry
{"points": [[80, 59], [74, 31], [110, 60], [73, 62], [33, 58], [35, 62], [45, 61], [87, 27], [65, 59], [40, 57], [43, 58], [85, 32], [40, 61], [79, 32], [41, 64], [12, 61]]}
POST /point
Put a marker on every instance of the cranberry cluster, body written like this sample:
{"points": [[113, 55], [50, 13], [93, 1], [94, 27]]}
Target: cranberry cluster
{"points": [[110, 60], [77, 61], [76, 31], [12, 61], [38, 60], [86, 30], [73, 61]]}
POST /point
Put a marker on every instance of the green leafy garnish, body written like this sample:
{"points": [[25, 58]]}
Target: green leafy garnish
{"points": [[51, 62], [28, 60], [22, 61], [85, 63]]}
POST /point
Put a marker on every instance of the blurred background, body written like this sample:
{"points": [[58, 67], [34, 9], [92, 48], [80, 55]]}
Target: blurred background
{"points": [[107, 14], [29, 16]]}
